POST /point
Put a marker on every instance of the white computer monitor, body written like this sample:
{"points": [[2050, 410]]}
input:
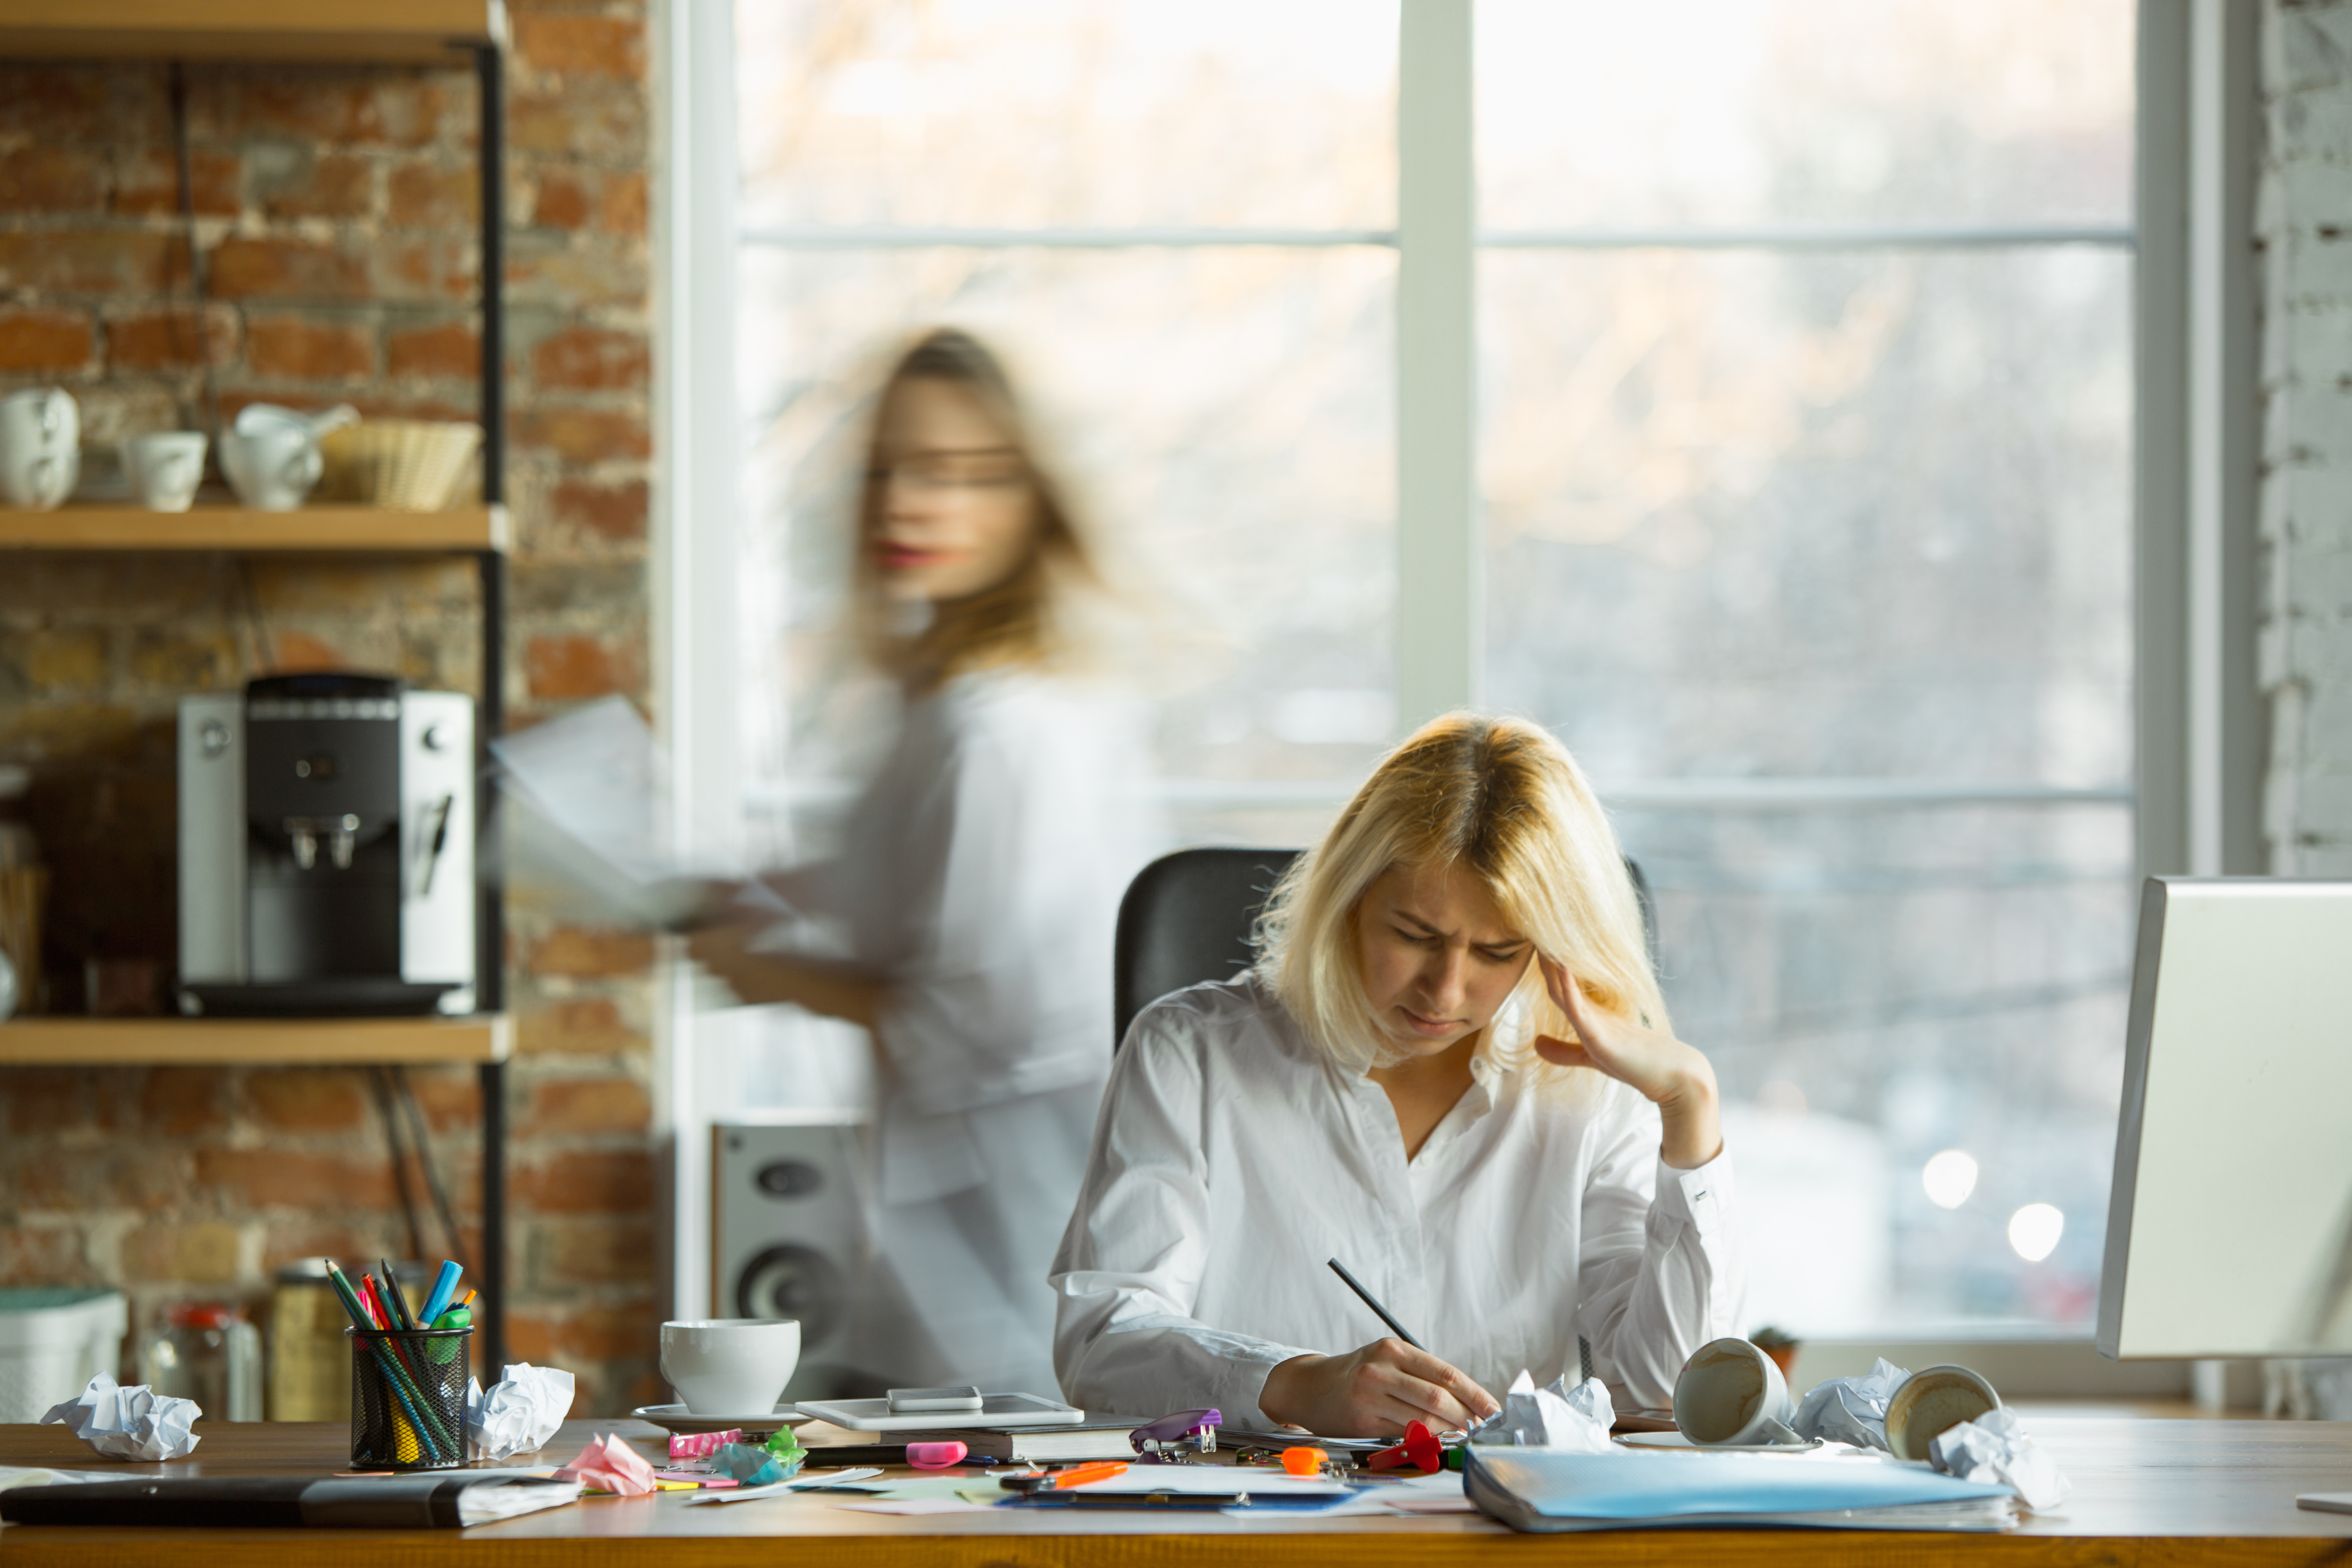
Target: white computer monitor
{"points": [[2229, 1228]]}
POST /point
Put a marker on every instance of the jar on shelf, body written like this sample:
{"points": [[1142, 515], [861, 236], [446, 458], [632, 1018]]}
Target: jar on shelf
{"points": [[309, 1359], [24, 883], [207, 1351]]}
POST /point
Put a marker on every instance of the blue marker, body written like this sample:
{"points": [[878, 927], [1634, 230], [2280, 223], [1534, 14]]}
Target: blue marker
{"points": [[445, 1286]]}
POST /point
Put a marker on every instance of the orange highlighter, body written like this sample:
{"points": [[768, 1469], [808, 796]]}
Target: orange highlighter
{"points": [[1079, 1475]]}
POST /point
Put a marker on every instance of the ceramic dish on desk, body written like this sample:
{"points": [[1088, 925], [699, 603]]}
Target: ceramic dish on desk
{"points": [[678, 1418], [1675, 1440]]}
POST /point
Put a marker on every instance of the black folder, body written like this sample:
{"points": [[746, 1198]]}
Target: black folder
{"points": [[427, 1501]]}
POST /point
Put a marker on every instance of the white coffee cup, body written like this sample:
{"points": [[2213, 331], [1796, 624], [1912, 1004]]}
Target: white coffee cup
{"points": [[271, 469], [730, 1366], [163, 467], [1732, 1394], [40, 446], [1931, 1402]]}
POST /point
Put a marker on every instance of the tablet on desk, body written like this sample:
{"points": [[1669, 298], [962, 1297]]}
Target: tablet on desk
{"points": [[996, 1410]]}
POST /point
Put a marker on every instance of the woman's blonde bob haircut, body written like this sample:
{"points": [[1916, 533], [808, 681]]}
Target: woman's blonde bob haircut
{"points": [[1039, 614], [1503, 800]]}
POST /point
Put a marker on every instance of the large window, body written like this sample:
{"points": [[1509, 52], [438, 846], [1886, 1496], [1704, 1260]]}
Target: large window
{"points": [[1803, 400]]}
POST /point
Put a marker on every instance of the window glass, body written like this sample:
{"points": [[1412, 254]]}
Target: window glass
{"points": [[1593, 112]]}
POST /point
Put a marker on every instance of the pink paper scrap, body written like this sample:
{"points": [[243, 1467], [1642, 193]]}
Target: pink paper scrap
{"points": [[701, 1445], [609, 1465]]}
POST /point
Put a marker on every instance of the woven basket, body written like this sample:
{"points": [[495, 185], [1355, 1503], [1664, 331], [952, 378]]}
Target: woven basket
{"points": [[408, 465]]}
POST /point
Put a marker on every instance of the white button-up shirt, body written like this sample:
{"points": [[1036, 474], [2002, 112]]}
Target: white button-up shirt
{"points": [[1232, 1158]]}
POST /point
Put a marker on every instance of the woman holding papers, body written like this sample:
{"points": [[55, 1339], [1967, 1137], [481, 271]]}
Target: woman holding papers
{"points": [[979, 878], [1452, 1069]]}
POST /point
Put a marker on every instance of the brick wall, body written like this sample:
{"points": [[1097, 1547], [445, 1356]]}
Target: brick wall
{"points": [[2304, 230], [336, 208]]}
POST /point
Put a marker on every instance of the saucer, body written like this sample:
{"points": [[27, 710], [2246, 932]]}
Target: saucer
{"points": [[1676, 1440], [678, 1418]]}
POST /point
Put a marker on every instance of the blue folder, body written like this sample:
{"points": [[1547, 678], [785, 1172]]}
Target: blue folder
{"points": [[1534, 1489]]}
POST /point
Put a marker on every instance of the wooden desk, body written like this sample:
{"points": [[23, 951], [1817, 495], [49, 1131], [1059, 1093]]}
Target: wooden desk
{"points": [[2147, 1492]]}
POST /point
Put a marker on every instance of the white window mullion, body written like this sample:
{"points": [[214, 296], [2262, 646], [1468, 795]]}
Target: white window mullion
{"points": [[1439, 551]]}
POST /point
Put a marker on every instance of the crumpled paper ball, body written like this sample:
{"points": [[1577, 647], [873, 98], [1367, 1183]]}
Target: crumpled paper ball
{"points": [[1850, 1409], [1995, 1448], [1576, 1420], [700, 1444], [609, 1465], [519, 1414], [133, 1423], [752, 1466]]}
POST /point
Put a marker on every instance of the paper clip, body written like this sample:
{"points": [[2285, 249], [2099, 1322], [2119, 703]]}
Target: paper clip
{"points": [[1172, 1438]]}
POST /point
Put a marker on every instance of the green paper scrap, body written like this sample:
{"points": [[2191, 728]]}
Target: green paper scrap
{"points": [[784, 1444]]}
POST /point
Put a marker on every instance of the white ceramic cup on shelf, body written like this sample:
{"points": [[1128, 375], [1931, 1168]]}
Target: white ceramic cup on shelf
{"points": [[163, 467], [40, 446], [271, 469], [1732, 1394], [730, 1366]]}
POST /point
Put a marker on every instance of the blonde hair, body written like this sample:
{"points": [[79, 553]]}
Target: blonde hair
{"points": [[1503, 800], [1035, 614]]}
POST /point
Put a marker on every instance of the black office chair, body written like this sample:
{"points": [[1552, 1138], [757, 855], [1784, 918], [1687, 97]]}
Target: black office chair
{"points": [[1187, 918]]}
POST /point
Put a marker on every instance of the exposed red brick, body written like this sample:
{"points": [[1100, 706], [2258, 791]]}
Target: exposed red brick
{"points": [[584, 953], [88, 260], [434, 196], [295, 651], [565, 667], [584, 435], [180, 1100], [599, 124], [609, 511], [170, 340], [46, 178], [621, 206], [293, 1241], [332, 184], [587, 1181], [583, 1026], [42, 1255], [40, 342], [356, 107], [280, 1178], [280, 267], [45, 1099], [613, 47], [562, 201], [58, 661], [306, 1100], [53, 102], [452, 350], [593, 359], [586, 1105], [570, 272], [427, 270], [592, 1252], [204, 1253], [147, 181], [197, 659], [586, 1333], [301, 350], [451, 1101]]}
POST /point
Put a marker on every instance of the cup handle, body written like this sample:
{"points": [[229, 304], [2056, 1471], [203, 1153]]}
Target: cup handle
{"points": [[301, 470]]}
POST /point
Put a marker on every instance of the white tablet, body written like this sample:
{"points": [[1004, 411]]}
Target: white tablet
{"points": [[996, 1410]]}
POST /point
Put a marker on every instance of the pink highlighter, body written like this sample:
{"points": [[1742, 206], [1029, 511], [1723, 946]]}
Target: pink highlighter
{"points": [[935, 1456]]}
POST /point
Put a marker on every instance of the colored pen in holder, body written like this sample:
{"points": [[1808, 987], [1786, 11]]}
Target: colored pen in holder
{"points": [[408, 1399]]}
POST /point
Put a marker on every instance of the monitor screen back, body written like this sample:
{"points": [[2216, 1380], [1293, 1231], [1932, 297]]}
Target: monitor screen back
{"points": [[2229, 1228]]}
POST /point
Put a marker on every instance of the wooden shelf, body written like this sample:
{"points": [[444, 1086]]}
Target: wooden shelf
{"points": [[315, 528], [424, 32], [274, 1042]]}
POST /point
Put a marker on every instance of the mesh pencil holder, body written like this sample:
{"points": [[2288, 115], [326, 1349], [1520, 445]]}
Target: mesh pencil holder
{"points": [[408, 1399]]}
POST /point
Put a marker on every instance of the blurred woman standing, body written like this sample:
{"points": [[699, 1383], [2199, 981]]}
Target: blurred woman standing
{"points": [[979, 876]]}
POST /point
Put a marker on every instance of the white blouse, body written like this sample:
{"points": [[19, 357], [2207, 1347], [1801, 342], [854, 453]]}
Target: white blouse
{"points": [[1232, 1159]]}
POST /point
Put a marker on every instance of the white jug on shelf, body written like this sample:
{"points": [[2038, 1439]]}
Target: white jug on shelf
{"points": [[40, 446], [271, 456]]}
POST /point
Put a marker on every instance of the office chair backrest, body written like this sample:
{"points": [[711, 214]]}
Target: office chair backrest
{"points": [[1187, 918]]}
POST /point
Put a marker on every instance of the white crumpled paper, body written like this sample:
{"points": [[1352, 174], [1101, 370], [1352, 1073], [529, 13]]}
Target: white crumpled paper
{"points": [[1852, 1409], [519, 1414], [1576, 1420], [1994, 1448], [132, 1423]]}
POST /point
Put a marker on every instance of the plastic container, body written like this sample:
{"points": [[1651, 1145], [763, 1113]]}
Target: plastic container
{"points": [[207, 1351], [408, 1399], [52, 1343]]}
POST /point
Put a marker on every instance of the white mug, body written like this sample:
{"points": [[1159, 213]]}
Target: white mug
{"points": [[1930, 1403], [730, 1366], [163, 467], [40, 446], [271, 469], [1730, 1393]]}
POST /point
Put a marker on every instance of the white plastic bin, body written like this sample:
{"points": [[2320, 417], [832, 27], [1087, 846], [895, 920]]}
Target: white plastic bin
{"points": [[52, 1343]]}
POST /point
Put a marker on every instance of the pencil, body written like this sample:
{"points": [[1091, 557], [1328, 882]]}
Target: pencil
{"points": [[1373, 1302]]}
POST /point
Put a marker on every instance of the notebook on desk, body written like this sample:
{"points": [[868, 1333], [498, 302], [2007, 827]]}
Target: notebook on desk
{"points": [[428, 1500], [1536, 1489]]}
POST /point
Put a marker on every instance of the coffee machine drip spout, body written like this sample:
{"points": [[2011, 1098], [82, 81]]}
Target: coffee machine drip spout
{"points": [[342, 834]]}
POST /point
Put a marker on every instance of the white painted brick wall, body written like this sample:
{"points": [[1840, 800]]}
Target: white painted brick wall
{"points": [[2303, 224]]}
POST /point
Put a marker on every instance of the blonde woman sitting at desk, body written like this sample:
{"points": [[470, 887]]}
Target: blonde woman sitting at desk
{"points": [[1452, 1068]]}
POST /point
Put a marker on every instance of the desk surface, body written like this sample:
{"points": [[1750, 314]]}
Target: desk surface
{"points": [[2152, 1492]]}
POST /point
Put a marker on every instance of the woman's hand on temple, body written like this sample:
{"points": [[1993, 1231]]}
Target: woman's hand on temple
{"points": [[1373, 1391], [1673, 1076]]}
